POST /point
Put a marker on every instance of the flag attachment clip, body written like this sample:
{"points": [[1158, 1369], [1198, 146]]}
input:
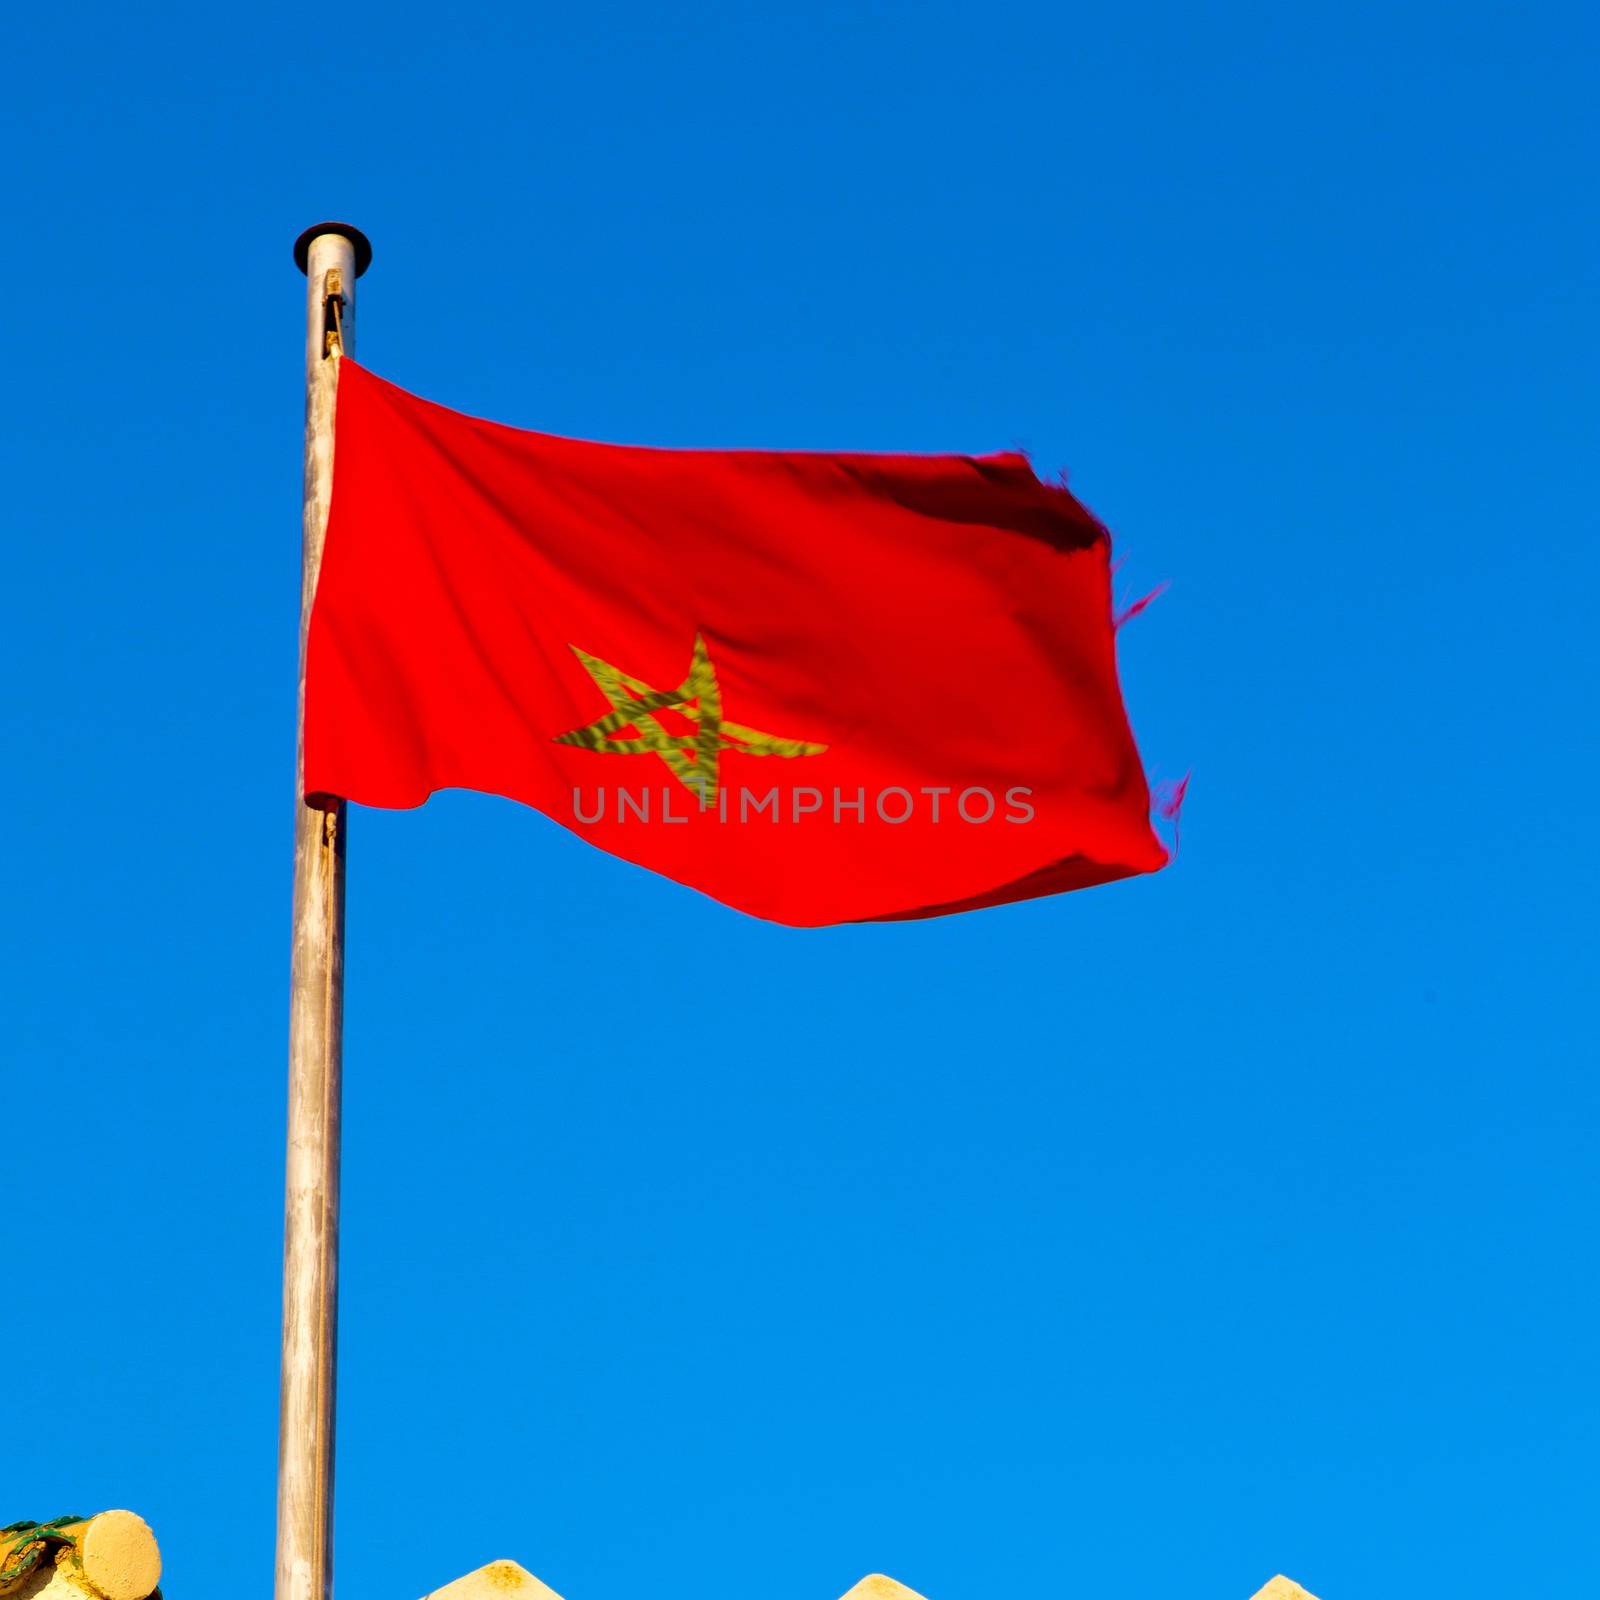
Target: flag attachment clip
{"points": [[332, 313]]}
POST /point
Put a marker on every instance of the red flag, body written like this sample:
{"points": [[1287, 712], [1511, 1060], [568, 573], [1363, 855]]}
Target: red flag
{"points": [[821, 688]]}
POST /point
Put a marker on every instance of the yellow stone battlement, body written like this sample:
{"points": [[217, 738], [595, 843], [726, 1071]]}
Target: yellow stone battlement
{"points": [[505, 1580], [114, 1556]]}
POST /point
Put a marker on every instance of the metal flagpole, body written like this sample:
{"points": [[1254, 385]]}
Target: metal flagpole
{"points": [[332, 255]]}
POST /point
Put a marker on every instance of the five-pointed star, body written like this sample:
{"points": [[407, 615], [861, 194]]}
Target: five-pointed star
{"points": [[692, 758]]}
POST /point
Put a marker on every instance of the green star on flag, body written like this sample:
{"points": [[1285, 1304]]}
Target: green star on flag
{"points": [[694, 758]]}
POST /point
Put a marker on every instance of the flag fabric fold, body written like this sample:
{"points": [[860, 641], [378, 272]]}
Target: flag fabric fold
{"points": [[820, 688]]}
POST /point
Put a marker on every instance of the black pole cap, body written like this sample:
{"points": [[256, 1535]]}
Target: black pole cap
{"points": [[363, 245]]}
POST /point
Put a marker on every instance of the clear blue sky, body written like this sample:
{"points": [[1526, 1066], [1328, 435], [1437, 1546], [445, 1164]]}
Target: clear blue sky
{"points": [[1146, 1241]]}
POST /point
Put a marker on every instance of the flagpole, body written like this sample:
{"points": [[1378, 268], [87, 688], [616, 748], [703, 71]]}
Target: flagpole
{"points": [[332, 255]]}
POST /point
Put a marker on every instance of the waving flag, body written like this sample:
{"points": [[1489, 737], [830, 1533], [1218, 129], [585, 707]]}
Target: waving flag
{"points": [[821, 688]]}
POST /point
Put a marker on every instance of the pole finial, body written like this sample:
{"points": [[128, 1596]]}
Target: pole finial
{"points": [[363, 245]]}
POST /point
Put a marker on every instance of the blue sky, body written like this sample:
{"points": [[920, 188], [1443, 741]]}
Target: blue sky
{"points": [[1149, 1240]]}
